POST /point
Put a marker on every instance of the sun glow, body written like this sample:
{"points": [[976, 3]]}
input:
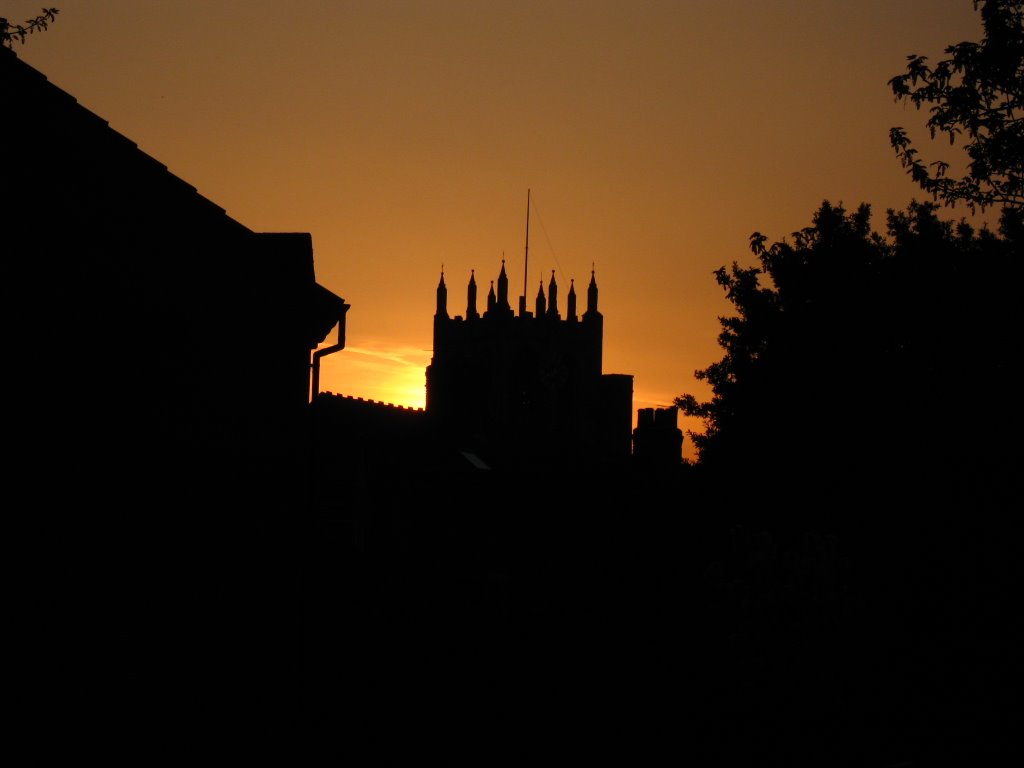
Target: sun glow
{"points": [[388, 374]]}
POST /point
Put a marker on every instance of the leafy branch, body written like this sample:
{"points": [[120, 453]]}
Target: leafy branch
{"points": [[11, 32], [976, 96]]}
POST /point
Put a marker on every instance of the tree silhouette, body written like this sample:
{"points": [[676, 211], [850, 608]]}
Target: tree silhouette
{"points": [[11, 32], [866, 355], [856, 356], [976, 94]]}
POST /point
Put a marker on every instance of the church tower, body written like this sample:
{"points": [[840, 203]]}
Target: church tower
{"points": [[527, 390]]}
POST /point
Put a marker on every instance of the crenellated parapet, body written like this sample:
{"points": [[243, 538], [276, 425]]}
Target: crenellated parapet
{"points": [[526, 383], [546, 306], [358, 402]]}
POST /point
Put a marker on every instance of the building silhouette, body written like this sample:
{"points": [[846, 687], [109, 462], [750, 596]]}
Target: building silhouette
{"points": [[527, 389], [504, 391], [156, 392], [657, 439], [154, 341]]}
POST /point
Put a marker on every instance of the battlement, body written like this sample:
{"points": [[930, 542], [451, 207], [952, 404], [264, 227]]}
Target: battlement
{"points": [[527, 389], [376, 404]]}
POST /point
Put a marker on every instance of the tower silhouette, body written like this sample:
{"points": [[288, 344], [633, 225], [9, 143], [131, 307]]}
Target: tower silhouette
{"points": [[527, 390]]}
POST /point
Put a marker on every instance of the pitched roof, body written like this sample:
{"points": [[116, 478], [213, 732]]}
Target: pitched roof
{"points": [[42, 105], [99, 187]]}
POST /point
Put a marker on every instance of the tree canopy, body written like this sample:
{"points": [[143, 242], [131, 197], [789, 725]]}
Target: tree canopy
{"points": [[975, 95], [853, 353]]}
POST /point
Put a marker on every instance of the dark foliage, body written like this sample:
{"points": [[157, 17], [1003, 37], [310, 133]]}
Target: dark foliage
{"points": [[863, 438], [867, 356], [11, 32], [975, 95]]}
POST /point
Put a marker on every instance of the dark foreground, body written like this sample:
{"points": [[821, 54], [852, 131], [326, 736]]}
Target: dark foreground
{"points": [[629, 624]]}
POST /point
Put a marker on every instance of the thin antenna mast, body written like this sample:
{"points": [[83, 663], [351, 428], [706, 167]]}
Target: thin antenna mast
{"points": [[526, 255]]}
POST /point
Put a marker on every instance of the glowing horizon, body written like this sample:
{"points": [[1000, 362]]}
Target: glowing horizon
{"points": [[397, 376], [377, 372], [405, 135]]}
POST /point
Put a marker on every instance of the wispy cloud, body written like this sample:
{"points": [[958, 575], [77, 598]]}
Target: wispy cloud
{"points": [[391, 355], [381, 372]]}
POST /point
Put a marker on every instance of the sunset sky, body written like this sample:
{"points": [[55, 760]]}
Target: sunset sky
{"points": [[654, 138]]}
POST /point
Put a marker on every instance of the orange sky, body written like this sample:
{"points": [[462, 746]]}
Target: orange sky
{"points": [[655, 137]]}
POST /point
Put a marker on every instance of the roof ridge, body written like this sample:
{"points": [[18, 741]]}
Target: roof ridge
{"points": [[28, 70]]}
